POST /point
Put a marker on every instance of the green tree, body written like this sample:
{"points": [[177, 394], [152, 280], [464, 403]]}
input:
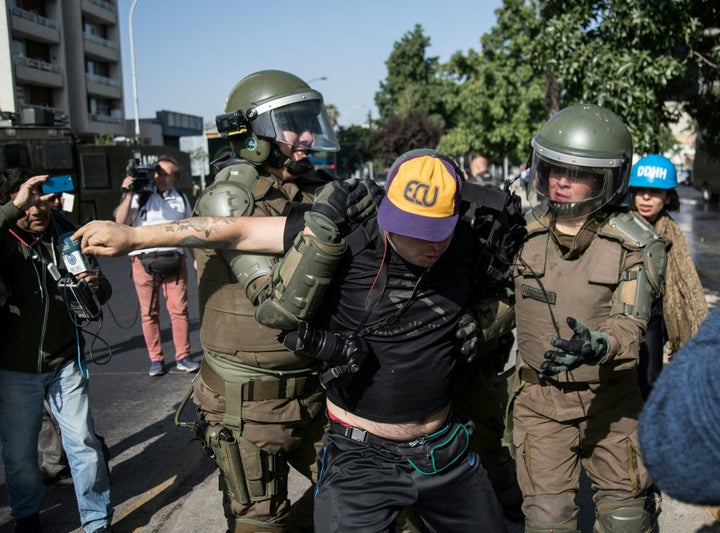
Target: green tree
{"points": [[499, 99], [414, 81], [631, 56], [398, 134]]}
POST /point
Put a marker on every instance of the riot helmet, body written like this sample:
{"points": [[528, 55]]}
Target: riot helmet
{"points": [[272, 106], [580, 161]]}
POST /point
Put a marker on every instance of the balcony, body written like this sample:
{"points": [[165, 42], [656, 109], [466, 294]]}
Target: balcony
{"points": [[115, 118], [100, 10], [37, 72], [29, 25], [103, 87], [100, 48]]}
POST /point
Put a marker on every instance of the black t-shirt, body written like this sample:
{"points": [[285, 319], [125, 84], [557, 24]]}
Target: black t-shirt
{"points": [[411, 360]]}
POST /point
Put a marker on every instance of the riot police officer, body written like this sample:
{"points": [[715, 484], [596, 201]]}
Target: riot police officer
{"points": [[260, 407], [584, 284]]}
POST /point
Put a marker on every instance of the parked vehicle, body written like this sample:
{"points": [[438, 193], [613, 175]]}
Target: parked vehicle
{"points": [[706, 171]]}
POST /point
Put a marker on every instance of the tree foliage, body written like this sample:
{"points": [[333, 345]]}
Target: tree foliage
{"points": [[635, 57], [499, 99], [413, 81], [632, 56], [397, 134]]}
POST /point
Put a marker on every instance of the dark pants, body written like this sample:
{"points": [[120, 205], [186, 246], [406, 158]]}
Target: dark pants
{"points": [[650, 361], [363, 486]]}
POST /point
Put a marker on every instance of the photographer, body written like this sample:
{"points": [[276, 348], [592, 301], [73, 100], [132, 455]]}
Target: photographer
{"points": [[42, 356], [156, 268]]}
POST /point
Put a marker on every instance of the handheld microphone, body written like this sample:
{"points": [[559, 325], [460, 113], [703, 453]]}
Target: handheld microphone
{"points": [[75, 261]]}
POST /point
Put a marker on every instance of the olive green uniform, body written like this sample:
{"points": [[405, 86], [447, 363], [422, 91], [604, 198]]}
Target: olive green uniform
{"points": [[587, 416], [268, 398]]}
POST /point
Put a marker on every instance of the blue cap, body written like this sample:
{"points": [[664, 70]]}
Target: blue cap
{"points": [[654, 171]]}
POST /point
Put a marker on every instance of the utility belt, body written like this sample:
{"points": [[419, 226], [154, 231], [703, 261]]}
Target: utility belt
{"points": [[529, 375], [430, 454], [257, 384]]}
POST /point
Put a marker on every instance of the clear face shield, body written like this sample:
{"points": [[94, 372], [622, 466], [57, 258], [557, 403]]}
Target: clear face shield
{"points": [[568, 191], [297, 121]]}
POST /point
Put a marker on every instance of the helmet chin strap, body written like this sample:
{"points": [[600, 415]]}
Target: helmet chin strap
{"points": [[277, 159]]}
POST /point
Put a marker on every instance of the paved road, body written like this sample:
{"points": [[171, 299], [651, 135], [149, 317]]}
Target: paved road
{"points": [[161, 480]]}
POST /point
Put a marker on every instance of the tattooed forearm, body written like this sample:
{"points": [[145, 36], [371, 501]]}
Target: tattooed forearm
{"points": [[206, 225], [197, 242]]}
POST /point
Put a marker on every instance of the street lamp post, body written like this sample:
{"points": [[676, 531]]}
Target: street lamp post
{"points": [[132, 67], [321, 78]]}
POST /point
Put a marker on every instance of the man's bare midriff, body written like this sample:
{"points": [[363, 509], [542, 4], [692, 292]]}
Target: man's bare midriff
{"points": [[402, 431]]}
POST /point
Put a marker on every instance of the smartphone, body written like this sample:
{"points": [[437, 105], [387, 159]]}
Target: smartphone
{"points": [[55, 184]]}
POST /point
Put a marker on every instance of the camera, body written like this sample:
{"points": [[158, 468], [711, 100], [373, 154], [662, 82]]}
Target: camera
{"points": [[142, 174], [341, 354], [79, 298]]}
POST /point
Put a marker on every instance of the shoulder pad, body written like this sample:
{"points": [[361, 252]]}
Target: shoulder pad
{"points": [[630, 230], [246, 176], [224, 199], [535, 225]]}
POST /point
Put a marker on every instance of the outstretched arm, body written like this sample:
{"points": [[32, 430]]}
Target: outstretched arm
{"points": [[249, 234]]}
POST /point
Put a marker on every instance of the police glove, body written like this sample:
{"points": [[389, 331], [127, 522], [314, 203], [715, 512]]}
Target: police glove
{"points": [[584, 347], [364, 198], [467, 334], [351, 200]]}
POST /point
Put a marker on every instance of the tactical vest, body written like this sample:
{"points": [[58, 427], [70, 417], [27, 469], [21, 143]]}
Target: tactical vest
{"points": [[227, 317], [547, 286]]}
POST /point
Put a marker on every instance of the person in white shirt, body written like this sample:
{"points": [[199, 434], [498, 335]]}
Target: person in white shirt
{"points": [[156, 268]]}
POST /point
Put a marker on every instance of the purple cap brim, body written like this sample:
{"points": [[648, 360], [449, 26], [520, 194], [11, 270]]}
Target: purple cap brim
{"points": [[395, 220]]}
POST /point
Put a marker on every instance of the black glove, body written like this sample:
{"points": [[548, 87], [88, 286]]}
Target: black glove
{"points": [[467, 334], [584, 347], [351, 200], [364, 198]]}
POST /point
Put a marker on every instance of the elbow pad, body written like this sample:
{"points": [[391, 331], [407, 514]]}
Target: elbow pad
{"points": [[299, 282]]}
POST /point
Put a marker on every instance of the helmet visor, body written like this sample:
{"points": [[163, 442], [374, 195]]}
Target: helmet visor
{"points": [[569, 191], [303, 123]]}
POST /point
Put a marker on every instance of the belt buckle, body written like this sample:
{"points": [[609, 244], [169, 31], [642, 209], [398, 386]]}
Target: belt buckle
{"points": [[418, 442], [356, 434]]}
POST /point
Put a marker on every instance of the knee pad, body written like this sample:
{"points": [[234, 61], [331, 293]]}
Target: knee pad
{"points": [[569, 526], [623, 517]]}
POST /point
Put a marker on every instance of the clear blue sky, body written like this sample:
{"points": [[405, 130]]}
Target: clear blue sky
{"points": [[189, 54]]}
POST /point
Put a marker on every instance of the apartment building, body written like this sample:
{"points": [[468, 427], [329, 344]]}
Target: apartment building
{"points": [[62, 58]]}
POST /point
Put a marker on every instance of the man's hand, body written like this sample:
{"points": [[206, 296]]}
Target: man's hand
{"points": [[30, 193], [467, 334], [101, 237], [91, 278], [584, 347]]}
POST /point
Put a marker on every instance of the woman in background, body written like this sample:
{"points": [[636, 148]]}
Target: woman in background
{"points": [[677, 315]]}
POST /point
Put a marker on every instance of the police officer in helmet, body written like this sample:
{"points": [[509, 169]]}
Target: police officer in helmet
{"points": [[260, 408], [584, 284]]}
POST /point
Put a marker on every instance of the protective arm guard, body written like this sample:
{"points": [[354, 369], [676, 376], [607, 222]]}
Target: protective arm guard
{"points": [[299, 282], [641, 283], [230, 198]]}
